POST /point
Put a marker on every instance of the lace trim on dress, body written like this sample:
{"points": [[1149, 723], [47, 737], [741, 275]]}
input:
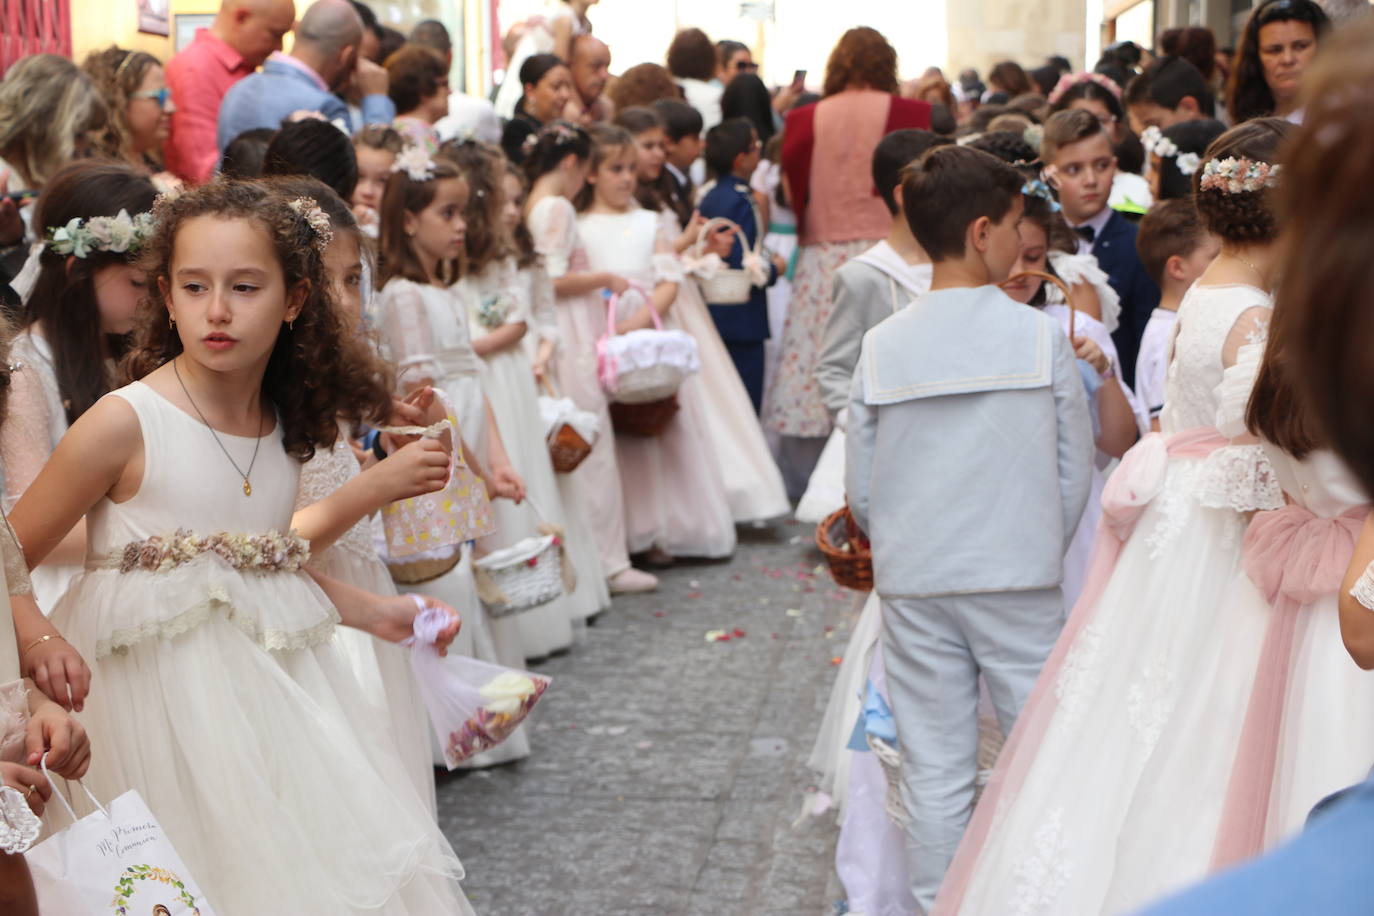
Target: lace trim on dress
{"points": [[16, 568], [1240, 478], [217, 601], [667, 268], [14, 717], [1044, 871], [1363, 591]]}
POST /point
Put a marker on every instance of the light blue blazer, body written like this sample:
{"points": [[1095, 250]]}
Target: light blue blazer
{"points": [[969, 446]]}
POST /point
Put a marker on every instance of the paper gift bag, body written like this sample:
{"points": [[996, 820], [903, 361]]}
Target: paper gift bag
{"points": [[446, 518], [115, 860]]}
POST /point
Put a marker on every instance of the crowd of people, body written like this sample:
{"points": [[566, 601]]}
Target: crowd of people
{"points": [[1044, 336]]}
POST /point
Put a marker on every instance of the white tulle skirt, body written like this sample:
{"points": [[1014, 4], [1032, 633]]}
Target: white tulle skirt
{"points": [[272, 774]]}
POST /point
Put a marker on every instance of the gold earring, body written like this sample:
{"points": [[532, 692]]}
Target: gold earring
{"points": [[291, 324]]}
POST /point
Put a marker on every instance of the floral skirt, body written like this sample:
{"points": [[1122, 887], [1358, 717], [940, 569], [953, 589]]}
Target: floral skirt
{"points": [[793, 405]]}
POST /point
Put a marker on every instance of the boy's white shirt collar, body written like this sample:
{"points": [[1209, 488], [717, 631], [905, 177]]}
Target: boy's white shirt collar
{"points": [[914, 277], [1098, 223], [676, 172]]}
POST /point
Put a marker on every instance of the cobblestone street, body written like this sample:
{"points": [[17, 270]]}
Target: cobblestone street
{"points": [[668, 770]]}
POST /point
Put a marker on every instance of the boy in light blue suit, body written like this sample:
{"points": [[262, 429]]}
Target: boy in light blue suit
{"points": [[969, 450]]}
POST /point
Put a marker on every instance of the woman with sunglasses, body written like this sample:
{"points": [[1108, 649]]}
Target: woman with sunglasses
{"points": [[1278, 44], [134, 87]]}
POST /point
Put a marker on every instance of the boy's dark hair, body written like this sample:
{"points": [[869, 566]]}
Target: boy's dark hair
{"points": [[679, 119], [1167, 82], [389, 41], [315, 148], [1172, 227], [1189, 137], [638, 119], [1066, 127], [724, 142], [949, 188], [894, 153], [245, 153]]}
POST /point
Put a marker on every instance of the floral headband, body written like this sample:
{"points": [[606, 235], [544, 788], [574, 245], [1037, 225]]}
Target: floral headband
{"points": [[561, 132], [1155, 142], [1069, 80], [121, 234], [1238, 176], [415, 161], [316, 219]]}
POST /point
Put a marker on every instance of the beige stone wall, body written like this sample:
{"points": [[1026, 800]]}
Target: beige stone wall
{"points": [[983, 32]]}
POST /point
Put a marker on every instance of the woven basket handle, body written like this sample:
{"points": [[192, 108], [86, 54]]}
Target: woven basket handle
{"points": [[1063, 288], [613, 300], [699, 246]]}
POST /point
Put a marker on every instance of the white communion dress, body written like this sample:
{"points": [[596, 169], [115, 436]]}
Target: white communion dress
{"points": [[221, 695]]}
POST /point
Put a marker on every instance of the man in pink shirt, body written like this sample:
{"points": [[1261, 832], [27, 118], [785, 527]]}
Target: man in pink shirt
{"points": [[244, 33]]}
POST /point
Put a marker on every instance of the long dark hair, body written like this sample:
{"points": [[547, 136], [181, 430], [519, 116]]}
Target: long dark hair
{"points": [[319, 371], [64, 298], [652, 195], [1247, 94], [748, 97], [485, 243]]}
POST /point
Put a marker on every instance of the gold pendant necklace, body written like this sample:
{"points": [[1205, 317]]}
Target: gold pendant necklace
{"points": [[247, 484]]}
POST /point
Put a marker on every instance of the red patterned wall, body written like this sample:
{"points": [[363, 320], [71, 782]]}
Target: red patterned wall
{"points": [[34, 26]]}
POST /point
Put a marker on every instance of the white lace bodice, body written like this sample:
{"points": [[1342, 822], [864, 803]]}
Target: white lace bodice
{"points": [[425, 331], [634, 245], [35, 420], [324, 474], [533, 286], [1214, 322]]}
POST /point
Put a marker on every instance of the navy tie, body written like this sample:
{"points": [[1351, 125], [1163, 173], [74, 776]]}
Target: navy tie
{"points": [[1088, 232]]}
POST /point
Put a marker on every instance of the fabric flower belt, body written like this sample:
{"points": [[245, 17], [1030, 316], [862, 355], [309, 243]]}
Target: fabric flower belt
{"points": [[269, 552]]}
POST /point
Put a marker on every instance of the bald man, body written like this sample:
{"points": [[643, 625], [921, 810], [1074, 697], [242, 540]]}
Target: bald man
{"points": [[591, 70], [325, 58], [242, 36]]}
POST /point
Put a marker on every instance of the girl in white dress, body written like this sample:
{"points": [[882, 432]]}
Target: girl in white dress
{"points": [[753, 483], [498, 319], [205, 627], [424, 327], [22, 705], [675, 503], [1138, 711], [338, 500], [76, 320], [540, 343], [557, 169]]}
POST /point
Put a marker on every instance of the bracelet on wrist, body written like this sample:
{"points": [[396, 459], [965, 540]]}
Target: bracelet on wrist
{"points": [[40, 640]]}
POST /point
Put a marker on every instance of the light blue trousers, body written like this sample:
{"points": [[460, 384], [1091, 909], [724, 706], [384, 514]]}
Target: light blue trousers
{"points": [[934, 650]]}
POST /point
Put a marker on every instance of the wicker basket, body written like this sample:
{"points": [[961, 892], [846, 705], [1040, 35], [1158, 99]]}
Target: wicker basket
{"points": [[648, 384], [846, 550], [567, 448], [643, 420], [421, 568], [727, 285], [526, 574]]}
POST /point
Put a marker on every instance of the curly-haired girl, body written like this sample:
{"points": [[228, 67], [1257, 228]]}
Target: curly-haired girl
{"points": [[134, 87], [198, 611]]}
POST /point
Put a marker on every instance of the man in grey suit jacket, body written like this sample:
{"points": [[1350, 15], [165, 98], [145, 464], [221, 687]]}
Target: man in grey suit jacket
{"points": [[968, 464]]}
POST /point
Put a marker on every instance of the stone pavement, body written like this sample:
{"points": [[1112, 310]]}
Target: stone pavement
{"points": [[667, 770]]}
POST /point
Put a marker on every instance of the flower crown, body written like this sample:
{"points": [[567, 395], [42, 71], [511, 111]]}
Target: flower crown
{"points": [[415, 161], [1155, 142], [120, 234], [561, 131], [1238, 176], [1069, 80], [315, 218]]}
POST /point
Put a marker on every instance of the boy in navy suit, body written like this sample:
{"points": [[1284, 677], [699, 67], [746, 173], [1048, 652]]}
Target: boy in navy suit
{"points": [[732, 154], [1079, 163]]}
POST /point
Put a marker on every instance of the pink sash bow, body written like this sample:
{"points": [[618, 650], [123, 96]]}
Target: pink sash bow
{"points": [[1294, 558], [1140, 476]]}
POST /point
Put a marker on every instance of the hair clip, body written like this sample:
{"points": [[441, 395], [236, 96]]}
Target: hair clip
{"points": [[1038, 188], [1238, 175], [120, 234], [315, 218], [529, 143], [1069, 80], [415, 161]]}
